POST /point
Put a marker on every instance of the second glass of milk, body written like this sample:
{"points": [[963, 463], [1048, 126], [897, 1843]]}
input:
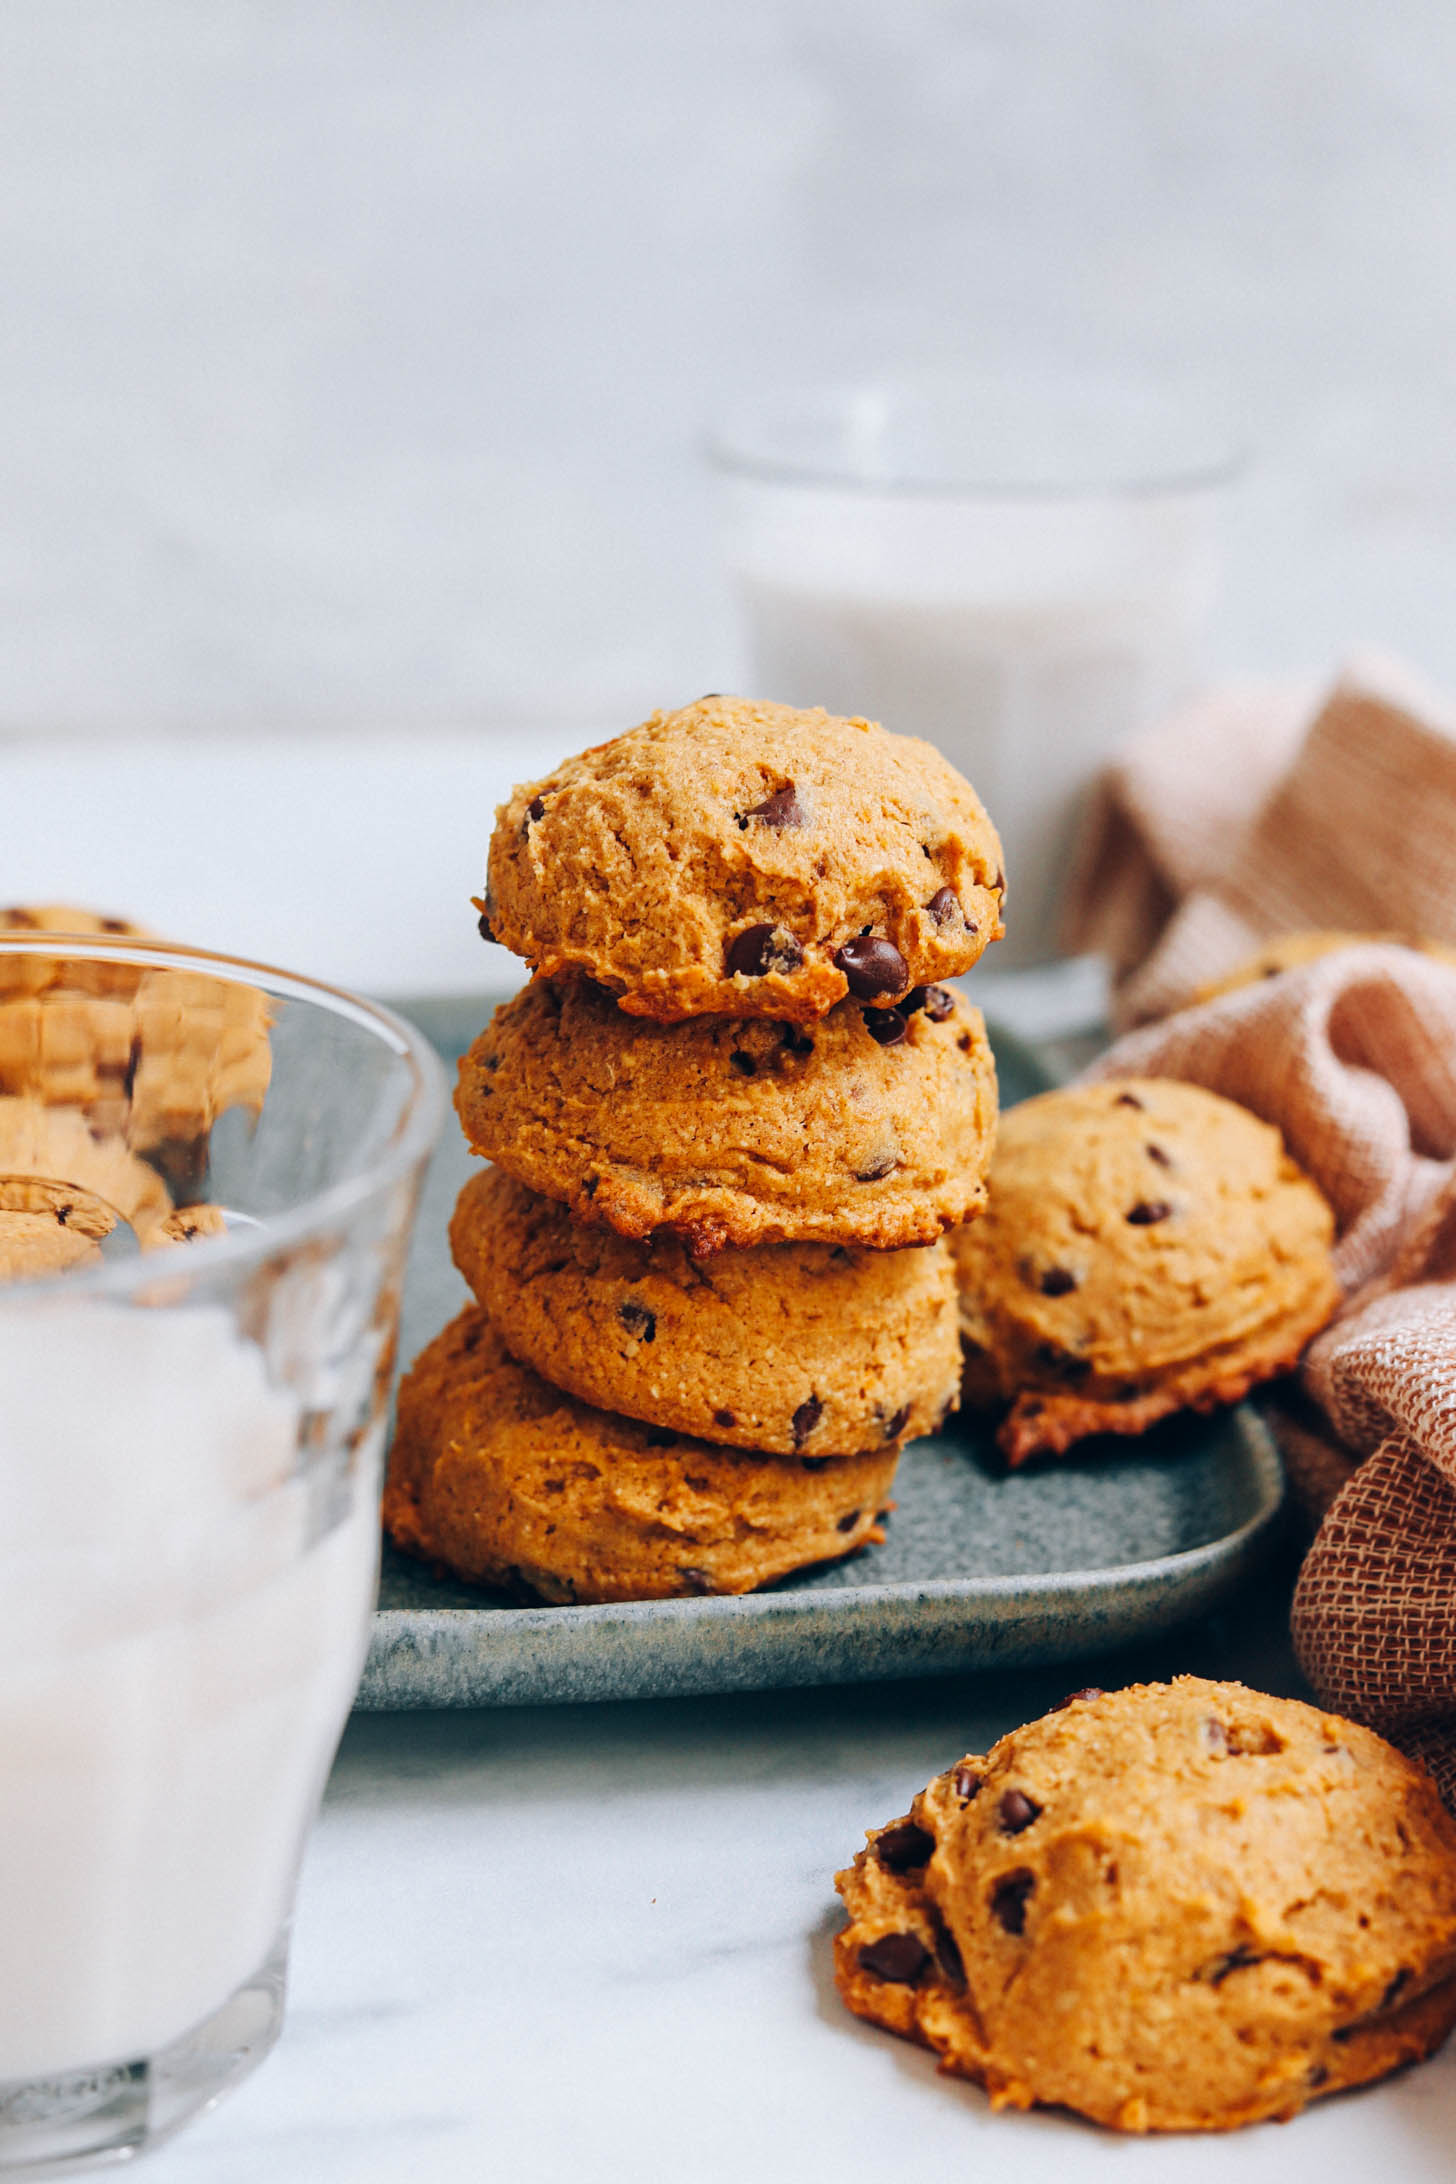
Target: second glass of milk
{"points": [[1021, 573]]}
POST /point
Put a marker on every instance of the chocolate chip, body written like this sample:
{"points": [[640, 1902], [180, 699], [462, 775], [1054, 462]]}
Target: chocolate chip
{"points": [[1148, 1211], [745, 1064], [535, 809], [761, 949], [848, 1523], [884, 1164], [1316, 2076], [872, 967], [1016, 1811], [1217, 1970], [1053, 1359], [944, 905], [724, 1418], [966, 1783], [1008, 1900], [1073, 1698], [887, 1027], [948, 1956], [901, 1848], [484, 928], [696, 1581], [895, 1426], [63, 1215], [640, 1324], [782, 809], [795, 1040], [965, 1042], [897, 1958], [113, 925], [1057, 1281], [938, 1002], [806, 1418], [1155, 1152], [1129, 1099]]}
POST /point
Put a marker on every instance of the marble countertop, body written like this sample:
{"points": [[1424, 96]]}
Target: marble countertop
{"points": [[589, 1945]]}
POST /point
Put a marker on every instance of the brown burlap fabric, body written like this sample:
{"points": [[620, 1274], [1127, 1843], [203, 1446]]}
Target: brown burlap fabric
{"points": [[1354, 1057]]}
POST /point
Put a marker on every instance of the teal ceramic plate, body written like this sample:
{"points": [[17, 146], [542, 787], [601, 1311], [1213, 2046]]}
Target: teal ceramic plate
{"points": [[981, 1566]]}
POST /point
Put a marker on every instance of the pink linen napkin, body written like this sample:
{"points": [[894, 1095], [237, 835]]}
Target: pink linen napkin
{"points": [[1263, 812]]}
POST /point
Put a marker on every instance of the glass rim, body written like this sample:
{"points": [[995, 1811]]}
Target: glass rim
{"points": [[739, 442], [409, 1143]]}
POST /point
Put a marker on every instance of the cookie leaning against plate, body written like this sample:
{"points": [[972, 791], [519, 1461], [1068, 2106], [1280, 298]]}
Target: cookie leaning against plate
{"points": [[741, 859], [1147, 1247], [505, 1481], [868, 1127], [1178, 1907], [812, 1349]]}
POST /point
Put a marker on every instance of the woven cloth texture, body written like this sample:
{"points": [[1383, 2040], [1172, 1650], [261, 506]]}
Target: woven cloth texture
{"points": [[1353, 1056], [1267, 809]]}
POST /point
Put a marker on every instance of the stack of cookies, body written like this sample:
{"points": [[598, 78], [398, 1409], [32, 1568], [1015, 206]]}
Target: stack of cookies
{"points": [[730, 1121]]}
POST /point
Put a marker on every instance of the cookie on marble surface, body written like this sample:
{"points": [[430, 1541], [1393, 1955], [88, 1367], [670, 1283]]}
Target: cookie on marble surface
{"points": [[501, 1479], [869, 1127], [1291, 951], [1147, 1247], [1178, 1907], [813, 1349], [735, 858]]}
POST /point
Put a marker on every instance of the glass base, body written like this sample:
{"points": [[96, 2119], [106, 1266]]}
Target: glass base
{"points": [[79, 2119]]}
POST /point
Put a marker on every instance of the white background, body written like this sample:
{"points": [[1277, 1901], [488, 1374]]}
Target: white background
{"points": [[353, 352]]}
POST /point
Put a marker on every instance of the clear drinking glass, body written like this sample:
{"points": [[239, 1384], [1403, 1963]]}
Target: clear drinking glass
{"points": [[208, 1173], [1019, 571]]}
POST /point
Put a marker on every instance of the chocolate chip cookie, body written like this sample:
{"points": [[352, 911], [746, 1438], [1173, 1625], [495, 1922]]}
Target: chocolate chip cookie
{"points": [[1291, 951], [1178, 1907], [154, 1055], [742, 859], [802, 1349], [501, 1479], [1147, 1247], [873, 1126], [52, 1165]]}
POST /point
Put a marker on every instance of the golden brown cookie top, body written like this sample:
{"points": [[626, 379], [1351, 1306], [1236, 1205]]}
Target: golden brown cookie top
{"points": [[1177, 1906], [868, 1127], [736, 859], [1131, 1226]]}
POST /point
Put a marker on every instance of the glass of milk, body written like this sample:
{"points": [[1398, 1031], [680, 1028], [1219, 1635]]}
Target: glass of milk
{"points": [[1020, 572], [207, 1178]]}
